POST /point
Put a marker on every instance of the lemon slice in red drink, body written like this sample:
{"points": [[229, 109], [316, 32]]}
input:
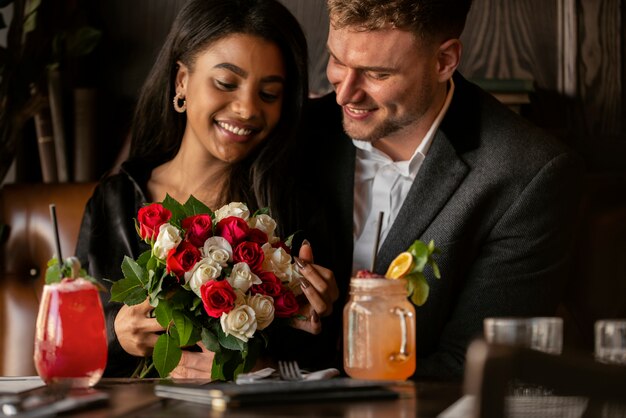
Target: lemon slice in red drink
{"points": [[400, 266]]}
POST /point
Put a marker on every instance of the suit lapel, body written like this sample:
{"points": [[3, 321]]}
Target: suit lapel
{"points": [[439, 177]]}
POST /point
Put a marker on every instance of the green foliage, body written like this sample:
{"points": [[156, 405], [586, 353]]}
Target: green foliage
{"points": [[417, 286], [166, 355], [179, 310], [71, 269], [42, 35], [131, 289], [210, 341]]}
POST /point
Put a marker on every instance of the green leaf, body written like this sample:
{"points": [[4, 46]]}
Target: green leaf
{"points": [[210, 340], [183, 299], [184, 326], [435, 268], [195, 334], [195, 207], [178, 211], [230, 342], [155, 290], [134, 271], [53, 272], [131, 289], [233, 363], [252, 354], [144, 258], [262, 211], [420, 289], [166, 354], [83, 41], [220, 361], [30, 16], [289, 240], [419, 250], [164, 313]]}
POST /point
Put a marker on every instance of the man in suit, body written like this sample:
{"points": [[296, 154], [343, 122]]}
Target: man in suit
{"points": [[444, 161]]}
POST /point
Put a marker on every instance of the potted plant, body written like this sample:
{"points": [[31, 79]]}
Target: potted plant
{"points": [[41, 36]]}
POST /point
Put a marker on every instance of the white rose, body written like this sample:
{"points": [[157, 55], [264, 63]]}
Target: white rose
{"points": [[242, 278], [240, 298], [204, 270], [168, 238], [277, 261], [218, 249], [266, 224], [237, 209], [293, 279], [263, 308], [240, 322]]}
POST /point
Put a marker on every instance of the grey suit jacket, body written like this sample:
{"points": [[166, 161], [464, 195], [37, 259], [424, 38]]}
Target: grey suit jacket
{"points": [[496, 194]]}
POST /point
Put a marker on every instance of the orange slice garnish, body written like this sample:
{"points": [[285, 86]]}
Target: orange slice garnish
{"points": [[400, 266]]}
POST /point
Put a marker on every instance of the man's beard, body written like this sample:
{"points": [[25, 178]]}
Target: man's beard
{"points": [[382, 130]]}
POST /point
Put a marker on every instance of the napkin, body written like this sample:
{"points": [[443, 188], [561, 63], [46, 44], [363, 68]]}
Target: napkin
{"points": [[270, 373]]}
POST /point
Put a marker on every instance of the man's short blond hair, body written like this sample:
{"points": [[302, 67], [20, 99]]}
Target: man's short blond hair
{"points": [[441, 19]]}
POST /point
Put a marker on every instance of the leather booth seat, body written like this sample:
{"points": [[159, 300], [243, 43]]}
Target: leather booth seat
{"points": [[27, 242]]}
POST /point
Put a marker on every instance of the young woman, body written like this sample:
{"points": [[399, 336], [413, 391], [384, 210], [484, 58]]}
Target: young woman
{"points": [[216, 119]]}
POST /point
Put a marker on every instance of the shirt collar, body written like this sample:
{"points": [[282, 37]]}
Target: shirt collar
{"points": [[371, 156]]}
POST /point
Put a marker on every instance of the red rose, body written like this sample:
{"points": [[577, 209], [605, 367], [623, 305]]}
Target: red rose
{"points": [[258, 236], [271, 285], [285, 304], [249, 253], [233, 229], [218, 297], [199, 228], [151, 218], [280, 244], [182, 259]]}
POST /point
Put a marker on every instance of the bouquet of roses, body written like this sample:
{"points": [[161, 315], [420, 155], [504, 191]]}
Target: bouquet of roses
{"points": [[218, 277]]}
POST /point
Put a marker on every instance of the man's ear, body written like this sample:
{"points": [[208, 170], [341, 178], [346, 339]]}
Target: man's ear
{"points": [[448, 58], [182, 74]]}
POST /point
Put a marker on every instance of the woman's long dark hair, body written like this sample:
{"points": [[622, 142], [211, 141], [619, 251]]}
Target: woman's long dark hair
{"points": [[157, 130]]}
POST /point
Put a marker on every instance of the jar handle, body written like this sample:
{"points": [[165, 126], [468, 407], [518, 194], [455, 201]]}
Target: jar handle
{"points": [[403, 354]]}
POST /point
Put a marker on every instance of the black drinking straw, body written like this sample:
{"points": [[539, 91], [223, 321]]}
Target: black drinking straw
{"points": [[378, 228], [53, 216]]}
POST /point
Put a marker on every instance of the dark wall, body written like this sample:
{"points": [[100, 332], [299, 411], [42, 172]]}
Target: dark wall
{"points": [[574, 53], [571, 51]]}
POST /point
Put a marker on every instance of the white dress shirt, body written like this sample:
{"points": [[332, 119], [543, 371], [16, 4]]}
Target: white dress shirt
{"points": [[381, 185]]}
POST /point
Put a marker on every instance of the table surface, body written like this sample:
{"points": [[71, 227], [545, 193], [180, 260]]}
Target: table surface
{"points": [[136, 398]]}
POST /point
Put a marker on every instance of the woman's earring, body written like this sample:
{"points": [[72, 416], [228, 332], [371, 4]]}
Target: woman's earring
{"points": [[180, 108]]}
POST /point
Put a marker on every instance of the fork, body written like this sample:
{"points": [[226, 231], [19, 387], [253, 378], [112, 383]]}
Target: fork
{"points": [[289, 370]]}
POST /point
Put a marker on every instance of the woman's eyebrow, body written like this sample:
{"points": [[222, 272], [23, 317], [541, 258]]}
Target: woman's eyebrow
{"points": [[244, 74], [232, 67]]}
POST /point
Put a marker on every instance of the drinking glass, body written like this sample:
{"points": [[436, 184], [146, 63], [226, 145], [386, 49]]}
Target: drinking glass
{"points": [[538, 333], [547, 334], [70, 335], [610, 341], [508, 331], [379, 330]]}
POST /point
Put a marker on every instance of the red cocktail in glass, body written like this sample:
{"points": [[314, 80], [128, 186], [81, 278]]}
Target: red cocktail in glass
{"points": [[70, 339]]}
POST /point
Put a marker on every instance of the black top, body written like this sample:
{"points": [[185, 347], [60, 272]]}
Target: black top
{"points": [[107, 234]]}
